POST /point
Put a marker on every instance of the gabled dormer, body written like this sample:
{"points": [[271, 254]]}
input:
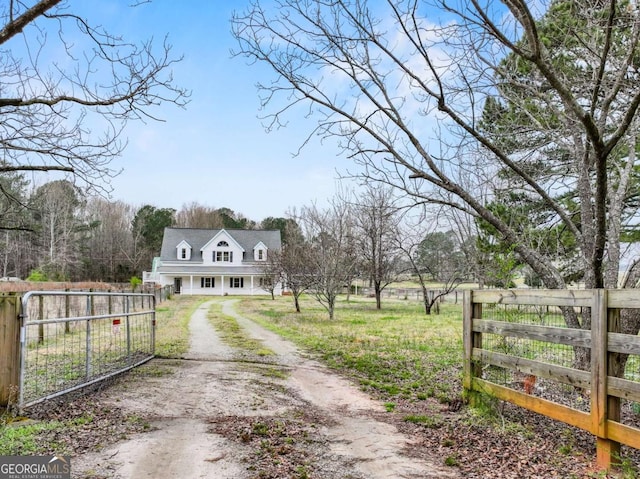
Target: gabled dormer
{"points": [[260, 252], [222, 248], [183, 251]]}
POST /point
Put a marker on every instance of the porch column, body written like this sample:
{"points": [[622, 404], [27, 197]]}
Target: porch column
{"points": [[222, 282], [191, 284], [252, 291]]}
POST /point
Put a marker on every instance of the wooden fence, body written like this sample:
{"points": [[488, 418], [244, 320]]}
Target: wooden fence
{"points": [[519, 349], [410, 294]]}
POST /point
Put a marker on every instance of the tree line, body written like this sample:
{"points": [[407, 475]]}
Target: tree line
{"points": [[62, 235], [57, 233]]}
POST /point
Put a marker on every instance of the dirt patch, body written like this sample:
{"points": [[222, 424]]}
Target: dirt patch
{"points": [[220, 413]]}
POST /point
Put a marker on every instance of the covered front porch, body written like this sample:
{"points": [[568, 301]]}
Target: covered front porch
{"points": [[222, 285]]}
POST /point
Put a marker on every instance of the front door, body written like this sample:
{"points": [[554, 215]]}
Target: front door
{"points": [[177, 285]]}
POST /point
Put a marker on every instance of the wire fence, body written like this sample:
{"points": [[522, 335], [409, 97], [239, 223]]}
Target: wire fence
{"points": [[72, 339], [532, 349], [519, 348]]}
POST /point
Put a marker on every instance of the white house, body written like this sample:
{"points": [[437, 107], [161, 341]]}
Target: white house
{"points": [[214, 262]]}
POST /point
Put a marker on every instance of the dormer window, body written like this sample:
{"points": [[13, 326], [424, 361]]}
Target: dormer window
{"points": [[222, 256], [183, 251], [260, 252]]}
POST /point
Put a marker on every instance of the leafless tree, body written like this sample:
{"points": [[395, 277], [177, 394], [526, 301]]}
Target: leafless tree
{"points": [[15, 215], [331, 257], [272, 274], [69, 88], [109, 245], [380, 76], [294, 263], [57, 212], [376, 77], [376, 218], [195, 215], [410, 238]]}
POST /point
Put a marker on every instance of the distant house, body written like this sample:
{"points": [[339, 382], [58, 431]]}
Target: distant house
{"points": [[214, 262]]}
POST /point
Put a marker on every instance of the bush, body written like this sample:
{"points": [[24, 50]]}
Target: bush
{"points": [[37, 275], [135, 282]]}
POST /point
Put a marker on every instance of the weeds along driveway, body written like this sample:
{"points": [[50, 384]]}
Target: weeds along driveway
{"points": [[241, 411]]}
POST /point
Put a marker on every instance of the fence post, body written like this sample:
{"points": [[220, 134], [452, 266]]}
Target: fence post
{"points": [[40, 317], [615, 368], [67, 312], [128, 310], [153, 326], [9, 348], [602, 406], [470, 311]]}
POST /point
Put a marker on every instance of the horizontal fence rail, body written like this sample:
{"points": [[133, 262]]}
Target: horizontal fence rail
{"points": [[410, 294], [69, 340], [519, 348]]}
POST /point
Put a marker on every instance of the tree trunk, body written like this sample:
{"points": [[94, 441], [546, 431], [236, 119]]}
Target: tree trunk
{"points": [[297, 303], [427, 307], [331, 303]]}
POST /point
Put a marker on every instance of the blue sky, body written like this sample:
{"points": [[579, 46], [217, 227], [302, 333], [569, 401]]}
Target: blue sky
{"points": [[215, 152]]}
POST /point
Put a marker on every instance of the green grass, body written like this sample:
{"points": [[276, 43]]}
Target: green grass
{"points": [[172, 324], [430, 421], [24, 438], [17, 440], [233, 334], [396, 352]]}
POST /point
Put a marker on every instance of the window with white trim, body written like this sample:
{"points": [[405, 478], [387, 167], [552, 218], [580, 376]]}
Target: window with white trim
{"points": [[207, 282], [236, 282], [223, 256], [183, 253]]}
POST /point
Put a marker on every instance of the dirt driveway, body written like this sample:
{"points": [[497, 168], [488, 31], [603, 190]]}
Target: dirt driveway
{"points": [[220, 413]]}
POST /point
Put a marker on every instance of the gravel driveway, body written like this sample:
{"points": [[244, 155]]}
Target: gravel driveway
{"points": [[218, 413]]}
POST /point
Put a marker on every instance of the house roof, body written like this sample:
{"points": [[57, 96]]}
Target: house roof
{"points": [[223, 234], [197, 238]]}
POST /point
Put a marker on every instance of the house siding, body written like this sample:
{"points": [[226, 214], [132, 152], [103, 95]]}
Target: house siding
{"points": [[191, 285], [241, 244]]}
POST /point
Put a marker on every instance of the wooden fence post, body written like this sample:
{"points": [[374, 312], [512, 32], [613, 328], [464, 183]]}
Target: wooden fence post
{"points": [[470, 311], [603, 407], [9, 348]]}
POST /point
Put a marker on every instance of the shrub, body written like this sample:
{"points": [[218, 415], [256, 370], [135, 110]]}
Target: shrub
{"points": [[135, 282], [37, 275]]}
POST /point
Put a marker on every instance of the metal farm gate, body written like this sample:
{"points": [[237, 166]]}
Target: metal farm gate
{"points": [[69, 340]]}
